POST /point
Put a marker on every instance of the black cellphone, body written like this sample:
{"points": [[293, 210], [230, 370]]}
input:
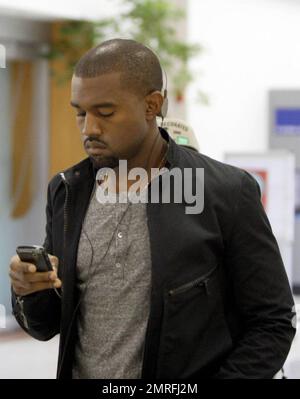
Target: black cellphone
{"points": [[35, 254]]}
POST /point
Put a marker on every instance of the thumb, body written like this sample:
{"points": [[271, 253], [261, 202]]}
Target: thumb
{"points": [[54, 262]]}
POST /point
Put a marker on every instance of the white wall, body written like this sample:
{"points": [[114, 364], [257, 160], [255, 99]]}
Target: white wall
{"points": [[47, 10], [251, 46]]}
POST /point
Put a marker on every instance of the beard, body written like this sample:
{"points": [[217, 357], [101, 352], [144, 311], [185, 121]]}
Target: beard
{"points": [[99, 161]]}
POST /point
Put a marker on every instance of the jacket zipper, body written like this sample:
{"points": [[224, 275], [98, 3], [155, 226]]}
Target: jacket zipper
{"points": [[65, 218], [200, 281], [63, 263]]}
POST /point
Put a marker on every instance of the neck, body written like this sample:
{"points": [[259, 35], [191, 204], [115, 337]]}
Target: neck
{"points": [[156, 153], [151, 151], [151, 157]]}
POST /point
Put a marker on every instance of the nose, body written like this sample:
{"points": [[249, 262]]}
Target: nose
{"points": [[91, 125]]}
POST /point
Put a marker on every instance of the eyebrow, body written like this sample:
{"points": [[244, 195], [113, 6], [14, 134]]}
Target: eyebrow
{"points": [[102, 105]]}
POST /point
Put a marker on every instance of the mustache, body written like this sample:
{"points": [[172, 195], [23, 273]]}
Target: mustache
{"points": [[91, 139]]}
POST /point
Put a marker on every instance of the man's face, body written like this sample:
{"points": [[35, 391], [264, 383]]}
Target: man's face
{"points": [[111, 119]]}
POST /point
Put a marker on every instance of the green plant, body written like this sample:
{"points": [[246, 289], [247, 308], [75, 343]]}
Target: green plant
{"points": [[72, 40], [152, 22]]}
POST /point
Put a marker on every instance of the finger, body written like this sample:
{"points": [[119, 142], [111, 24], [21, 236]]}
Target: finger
{"points": [[17, 265], [40, 276], [40, 286], [25, 278], [36, 287], [54, 261], [21, 289], [16, 276]]}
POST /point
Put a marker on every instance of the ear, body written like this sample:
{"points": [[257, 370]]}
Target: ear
{"points": [[154, 103]]}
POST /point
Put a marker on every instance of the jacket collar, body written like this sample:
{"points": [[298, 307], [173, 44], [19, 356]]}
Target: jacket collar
{"points": [[172, 152]]}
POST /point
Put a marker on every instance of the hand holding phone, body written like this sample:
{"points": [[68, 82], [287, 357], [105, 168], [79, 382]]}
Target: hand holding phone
{"points": [[31, 270], [37, 255]]}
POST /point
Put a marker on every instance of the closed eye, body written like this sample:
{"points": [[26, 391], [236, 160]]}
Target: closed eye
{"points": [[106, 115], [82, 114]]}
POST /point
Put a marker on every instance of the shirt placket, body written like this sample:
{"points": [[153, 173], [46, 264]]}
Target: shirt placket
{"points": [[121, 245]]}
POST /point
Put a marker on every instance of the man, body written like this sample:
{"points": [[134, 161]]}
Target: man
{"points": [[147, 290]]}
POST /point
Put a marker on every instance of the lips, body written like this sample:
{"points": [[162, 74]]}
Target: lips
{"points": [[94, 147]]}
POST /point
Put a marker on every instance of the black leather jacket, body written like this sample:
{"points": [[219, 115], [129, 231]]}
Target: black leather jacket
{"points": [[221, 305]]}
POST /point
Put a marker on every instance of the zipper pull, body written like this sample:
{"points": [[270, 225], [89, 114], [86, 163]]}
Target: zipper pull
{"points": [[62, 175], [20, 302]]}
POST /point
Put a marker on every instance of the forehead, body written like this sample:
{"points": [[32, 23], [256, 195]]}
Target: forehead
{"points": [[106, 87]]}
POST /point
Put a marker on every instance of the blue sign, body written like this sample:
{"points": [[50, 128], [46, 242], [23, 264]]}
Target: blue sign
{"points": [[287, 121]]}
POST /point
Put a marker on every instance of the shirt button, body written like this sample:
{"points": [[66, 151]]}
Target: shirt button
{"points": [[118, 265], [120, 235]]}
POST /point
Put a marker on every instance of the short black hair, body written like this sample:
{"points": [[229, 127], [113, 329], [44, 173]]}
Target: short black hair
{"points": [[139, 67]]}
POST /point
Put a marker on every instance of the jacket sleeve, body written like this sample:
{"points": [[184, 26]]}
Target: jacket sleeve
{"points": [[39, 313], [261, 292]]}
